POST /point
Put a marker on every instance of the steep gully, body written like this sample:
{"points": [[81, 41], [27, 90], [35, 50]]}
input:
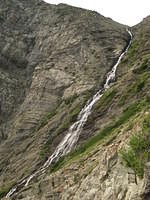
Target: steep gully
{"points": [[70, 140]]}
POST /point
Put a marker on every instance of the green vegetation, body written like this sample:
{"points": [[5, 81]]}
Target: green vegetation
{"points": [[70, 100], [71, 117], [73, 113], [142, 67], [137, 154], [106, 99], [107, 131], [131, 91], [146, 124], [5, 190], [45, 149], [84, 97], [58, 164], [45, 119], [134, 55], [130, 126], [140, 85], [141, 81], [132, 52], [136, 87], [146, 56]]}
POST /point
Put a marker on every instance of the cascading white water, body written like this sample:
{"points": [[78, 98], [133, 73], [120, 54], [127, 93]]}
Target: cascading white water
{"points": [[73, 134]]}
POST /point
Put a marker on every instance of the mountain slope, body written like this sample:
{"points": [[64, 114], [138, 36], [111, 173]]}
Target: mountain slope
{"points": [[97, 169], [53, 59]]}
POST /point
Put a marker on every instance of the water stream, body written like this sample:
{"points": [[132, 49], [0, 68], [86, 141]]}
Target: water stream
{"points": [[71, 138]]}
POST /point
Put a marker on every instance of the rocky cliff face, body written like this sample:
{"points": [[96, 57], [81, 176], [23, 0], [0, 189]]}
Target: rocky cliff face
{"points": [[53, 59]]}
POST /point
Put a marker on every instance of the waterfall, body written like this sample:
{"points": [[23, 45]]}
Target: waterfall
{"points": [[71, 138]]}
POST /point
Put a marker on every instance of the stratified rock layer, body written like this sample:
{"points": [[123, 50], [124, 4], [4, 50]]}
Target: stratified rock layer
{"points": [[53, 58], [97, 170]]}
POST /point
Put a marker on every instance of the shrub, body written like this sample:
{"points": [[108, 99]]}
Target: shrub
{"points": [[140, 85], [106, 99], [142, 67], [146, 123], [70, 100], [134, 89], [132, 161], [139, 148], [5, 190]]}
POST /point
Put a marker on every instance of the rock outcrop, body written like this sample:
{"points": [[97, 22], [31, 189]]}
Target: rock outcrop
{"points": [[53, 59], [96, 170]]}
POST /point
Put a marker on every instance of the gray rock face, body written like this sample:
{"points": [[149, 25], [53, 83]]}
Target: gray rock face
{"points": [[99, 176], [145, 191], [47, 54]]}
